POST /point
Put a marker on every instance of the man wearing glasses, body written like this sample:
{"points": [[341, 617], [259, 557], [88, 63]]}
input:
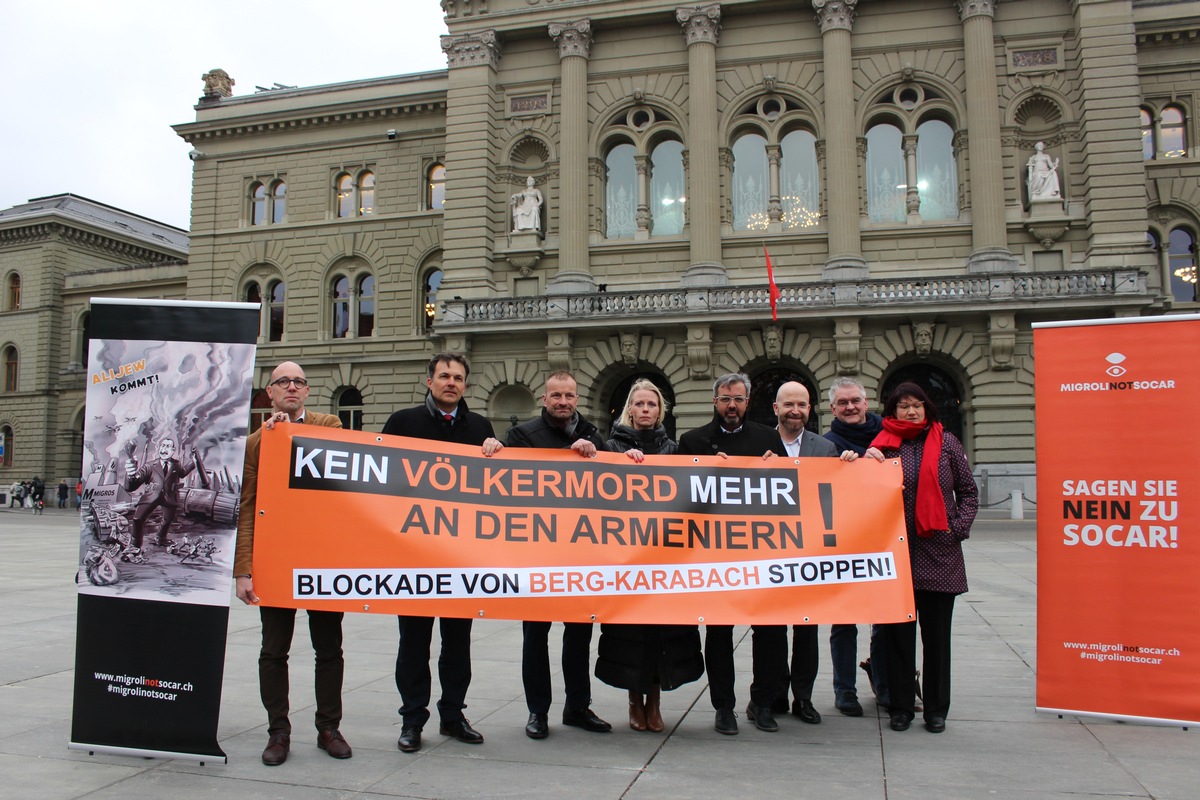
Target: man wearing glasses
{"points": [[852, 430], [559, 425], [731, 434], [288, 389], [443, 417]]}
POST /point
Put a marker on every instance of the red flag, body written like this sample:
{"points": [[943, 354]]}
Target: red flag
{"points": [[775, 293]]}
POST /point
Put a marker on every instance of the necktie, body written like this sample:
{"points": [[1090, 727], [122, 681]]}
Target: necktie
{"points": [[449, 418]]}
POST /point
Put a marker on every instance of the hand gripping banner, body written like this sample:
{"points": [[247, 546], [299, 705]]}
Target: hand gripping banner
{"points": [[168, 398], [353, 521]]}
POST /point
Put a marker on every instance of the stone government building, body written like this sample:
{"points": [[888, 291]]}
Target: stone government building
{"points": [[884, 153]]}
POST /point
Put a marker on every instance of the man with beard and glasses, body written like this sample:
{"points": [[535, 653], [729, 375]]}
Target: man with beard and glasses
{"points": [[731, 434]]}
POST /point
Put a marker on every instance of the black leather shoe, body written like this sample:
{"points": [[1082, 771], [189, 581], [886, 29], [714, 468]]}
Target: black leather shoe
{"points": [[726, 722], [849, 706], [762, 717], [805, 711], [537, 727], [410, 739], [935, 724], [277, 749], [462, 731], [334, 743], [587, 720], [900, 722]]}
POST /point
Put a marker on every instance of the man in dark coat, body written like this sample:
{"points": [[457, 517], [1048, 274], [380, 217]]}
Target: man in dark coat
{"points": [[731, 434], [559, 426], [853, 428], [443, 417]]}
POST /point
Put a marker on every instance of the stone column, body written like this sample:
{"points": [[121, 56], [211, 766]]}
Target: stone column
{"points": [[1109, 94], [845, 261], [468, 240], [989, 234], [574, 40], [701, 28]]}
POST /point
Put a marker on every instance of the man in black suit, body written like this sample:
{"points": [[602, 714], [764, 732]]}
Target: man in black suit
{"points": [[731, 434], [792, 408], [443, 417], [161, 478], [559, 425]]}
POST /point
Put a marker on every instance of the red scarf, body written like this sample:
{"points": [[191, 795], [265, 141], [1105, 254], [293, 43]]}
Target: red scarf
{"points": [[931, 506]]}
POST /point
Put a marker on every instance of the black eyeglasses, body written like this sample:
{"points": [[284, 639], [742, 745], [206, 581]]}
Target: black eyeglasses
{"points": [[282, 383]]}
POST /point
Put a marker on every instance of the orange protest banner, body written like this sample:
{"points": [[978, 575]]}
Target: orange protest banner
{"points": [[1117, 479], [352, 521]]}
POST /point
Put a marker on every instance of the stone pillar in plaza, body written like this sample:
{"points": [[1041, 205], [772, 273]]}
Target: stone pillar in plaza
{"points": [[468, 239], [989, 233], [574, 276], [845, 260], [701, 28]]}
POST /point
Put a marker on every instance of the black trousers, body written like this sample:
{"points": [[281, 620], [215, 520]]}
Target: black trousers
{"points": [[770, 669], [771, 675], [576, 658], [325, 632], [935, 613], [413, 679]]}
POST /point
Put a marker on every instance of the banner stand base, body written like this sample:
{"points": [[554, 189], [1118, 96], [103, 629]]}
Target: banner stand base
{"points": [[200, 758], [1159, 721]]}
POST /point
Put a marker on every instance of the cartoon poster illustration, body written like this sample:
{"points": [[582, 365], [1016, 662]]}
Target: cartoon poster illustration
{"points": [[168, 402], [164, 441]]}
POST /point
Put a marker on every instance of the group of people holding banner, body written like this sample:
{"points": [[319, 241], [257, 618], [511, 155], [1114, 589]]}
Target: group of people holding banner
{"points": [[939, 499]]}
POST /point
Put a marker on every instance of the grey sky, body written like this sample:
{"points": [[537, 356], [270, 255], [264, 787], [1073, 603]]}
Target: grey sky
{"points": [[92, 89]]}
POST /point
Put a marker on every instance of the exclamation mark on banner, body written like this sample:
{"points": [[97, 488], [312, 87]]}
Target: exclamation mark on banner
{"points": [[825, 492]]}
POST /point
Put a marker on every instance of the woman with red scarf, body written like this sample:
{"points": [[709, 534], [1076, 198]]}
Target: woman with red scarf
{"points": [[940, 501]]}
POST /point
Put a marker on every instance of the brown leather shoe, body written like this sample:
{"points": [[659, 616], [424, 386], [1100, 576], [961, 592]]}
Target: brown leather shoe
{"points": [[277, 749], [334, 743], [637, 711], [654, 720]]}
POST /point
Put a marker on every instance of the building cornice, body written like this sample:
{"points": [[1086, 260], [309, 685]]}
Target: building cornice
{"points": [[47, 231]]}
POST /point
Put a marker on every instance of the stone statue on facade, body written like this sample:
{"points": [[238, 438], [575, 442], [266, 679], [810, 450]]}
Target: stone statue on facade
{"points": [[1042, 175], [527, 208], [217, 83], [772, 342], [629, 349], [923, 337]]}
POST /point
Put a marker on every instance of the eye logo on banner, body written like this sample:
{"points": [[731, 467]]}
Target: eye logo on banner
{"points": [[1116, 370]]}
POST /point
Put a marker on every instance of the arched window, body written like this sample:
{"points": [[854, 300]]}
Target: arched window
{"points": [[346, 201], [621, 192], [765, 385], [258, 204], [433, 281], [751, 185], [366, 193], [616, 403], [278, 201], [260, 409], [11, 363], [339, 291], [12, 297], [1172, 139], [366, 305], [1147, 123], [253, 293], [276, 292], [350, 408], [354, 194], [353, 305], [941, 388], [799, 192], [937, 176], [886, 182], [6, 446], [435, 192], [1182, 265], [667, 189]]}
